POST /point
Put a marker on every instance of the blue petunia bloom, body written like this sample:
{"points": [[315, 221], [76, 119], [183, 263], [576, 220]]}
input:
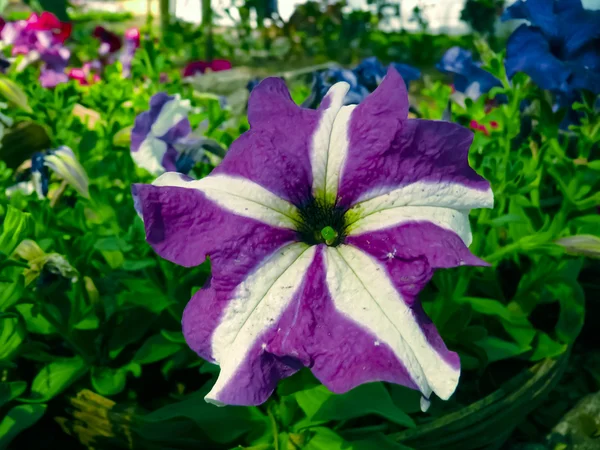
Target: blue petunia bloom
{"points": [[363, 80], [559, 48], [469, 78]]}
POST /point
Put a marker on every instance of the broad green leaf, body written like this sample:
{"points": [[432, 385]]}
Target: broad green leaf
{"points": [[15, 227], [498, 349], [128, 327], [11, 390], [34, 321], [55, 378], [155, 348], [12, 333], [89, 322], [547, 347], [319, 404], [12, 289], [108, 381], [173, 336], [326, 439], [221, 424], [18, 419]]}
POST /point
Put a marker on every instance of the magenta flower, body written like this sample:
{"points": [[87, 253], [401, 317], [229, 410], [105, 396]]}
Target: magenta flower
{"points": [[322, 226], [41, 38], [86, 75], [216, 65]]}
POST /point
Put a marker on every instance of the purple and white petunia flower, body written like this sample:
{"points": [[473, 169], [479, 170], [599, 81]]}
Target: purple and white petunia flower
{"points": [[156, 131], [162, 139], [322, 226]]}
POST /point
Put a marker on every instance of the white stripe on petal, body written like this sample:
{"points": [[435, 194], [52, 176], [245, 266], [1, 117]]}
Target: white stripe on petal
{"points": [[362, 291], [338, 152], [172, 112], [258, 302], [239, 196], [323, 138], [150, 155], [447, 218], [424, 193]]}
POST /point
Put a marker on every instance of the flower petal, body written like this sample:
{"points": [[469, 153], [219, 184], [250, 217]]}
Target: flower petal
{"points": [[362, 289], [276, 152], [389, 103], [177, 211], [441, 241], [420, 163], [150, 153], [252, 308], [297, 323]]}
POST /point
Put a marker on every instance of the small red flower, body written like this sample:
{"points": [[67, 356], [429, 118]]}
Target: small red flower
{"points": [[479, 127]]}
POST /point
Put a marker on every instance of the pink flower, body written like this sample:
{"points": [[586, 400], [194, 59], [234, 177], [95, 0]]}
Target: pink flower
{"points": [[49, 22]]}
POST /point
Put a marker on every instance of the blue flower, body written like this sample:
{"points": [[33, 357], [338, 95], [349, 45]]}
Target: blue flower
{"points": [[469, 78], [559, 48], [363, 80], [40, 175]]}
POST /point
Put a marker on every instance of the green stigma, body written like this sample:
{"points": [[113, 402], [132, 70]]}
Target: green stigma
{"points": [[329, 234]]}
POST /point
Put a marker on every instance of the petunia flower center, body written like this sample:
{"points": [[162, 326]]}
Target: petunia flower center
{"points": [[321, 224]]}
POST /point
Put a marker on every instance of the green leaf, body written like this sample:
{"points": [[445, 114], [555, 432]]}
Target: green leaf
{"points": [[55, 378], [11, 289], [155, 348], [16, 226], [11, 390], [128, 327], [326, 439], [498, 349], [546, 347], [379, 442], [18, 419], [319, 404], [34, 321], [220, 424], [173, 336], [89, 322], [12, 333], [13, 93], [108, 381]]}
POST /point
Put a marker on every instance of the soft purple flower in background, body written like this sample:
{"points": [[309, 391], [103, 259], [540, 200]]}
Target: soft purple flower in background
{"points": [[53, 71], [132, 43], [162, 139], [469, 78], [322, 226]]}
